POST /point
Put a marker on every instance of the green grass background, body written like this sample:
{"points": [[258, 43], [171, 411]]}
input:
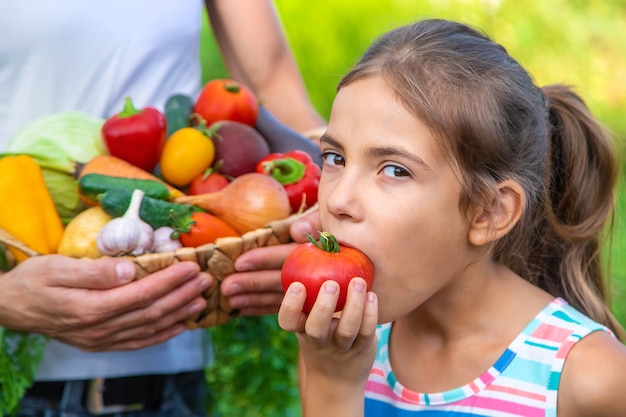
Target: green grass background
{"points": [[578, 42]]}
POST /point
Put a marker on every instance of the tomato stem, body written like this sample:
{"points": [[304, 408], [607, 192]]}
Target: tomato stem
{"points": [[212, 169], [327, 242], [232, 87], [180, 224]]}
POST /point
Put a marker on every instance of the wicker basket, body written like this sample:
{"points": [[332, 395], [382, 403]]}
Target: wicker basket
{"points": [[217, 258]]}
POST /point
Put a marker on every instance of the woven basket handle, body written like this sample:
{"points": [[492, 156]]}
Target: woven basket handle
{"points": [[10, 240]]}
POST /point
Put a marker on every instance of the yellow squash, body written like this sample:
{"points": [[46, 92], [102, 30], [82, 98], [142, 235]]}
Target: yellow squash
{"points": [[27, 210]]}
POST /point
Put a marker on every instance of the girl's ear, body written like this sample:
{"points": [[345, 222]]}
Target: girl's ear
{"points": [[498, 219]]}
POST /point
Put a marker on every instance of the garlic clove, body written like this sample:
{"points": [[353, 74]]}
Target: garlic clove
{"points": [[163, 241], [128, 234]]}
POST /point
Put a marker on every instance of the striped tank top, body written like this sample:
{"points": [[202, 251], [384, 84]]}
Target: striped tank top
{"points": [[524, 381]]}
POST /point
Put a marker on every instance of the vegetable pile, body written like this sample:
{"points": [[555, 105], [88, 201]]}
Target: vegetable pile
{"points": [[147, 181], [143, 181]]}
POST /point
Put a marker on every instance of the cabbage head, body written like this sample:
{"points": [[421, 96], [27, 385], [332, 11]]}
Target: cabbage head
{"points": [[60, 143]]}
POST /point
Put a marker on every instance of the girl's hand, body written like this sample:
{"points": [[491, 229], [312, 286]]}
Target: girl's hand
{"points": [[338, 349]]}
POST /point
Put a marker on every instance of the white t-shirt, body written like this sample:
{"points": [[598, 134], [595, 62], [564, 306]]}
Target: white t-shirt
{"points": [[88, 56]]}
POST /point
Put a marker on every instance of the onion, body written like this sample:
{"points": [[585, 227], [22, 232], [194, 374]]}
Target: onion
{"points": [[248, 202]]}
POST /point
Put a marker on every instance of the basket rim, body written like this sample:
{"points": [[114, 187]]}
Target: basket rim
{"points": [[8, 239]]}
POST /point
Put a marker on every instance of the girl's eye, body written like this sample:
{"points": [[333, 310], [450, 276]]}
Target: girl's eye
{"points": [[332, 158], [395, 171]]}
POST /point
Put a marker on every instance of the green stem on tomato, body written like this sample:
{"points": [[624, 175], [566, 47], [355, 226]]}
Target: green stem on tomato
{"points": [[327, 242], [232, 87], [215, 168], [180, 224]]}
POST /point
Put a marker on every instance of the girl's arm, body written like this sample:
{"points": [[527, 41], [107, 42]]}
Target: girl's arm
{"points": [[337, 350], [593, 381]]}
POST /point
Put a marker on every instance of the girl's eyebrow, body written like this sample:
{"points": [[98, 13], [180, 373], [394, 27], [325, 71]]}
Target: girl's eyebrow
{"points": [[391, 151], [326, 138], [380, 152]]}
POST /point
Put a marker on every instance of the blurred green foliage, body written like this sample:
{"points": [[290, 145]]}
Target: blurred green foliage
{"points": [[254, 373], [577, 42]]}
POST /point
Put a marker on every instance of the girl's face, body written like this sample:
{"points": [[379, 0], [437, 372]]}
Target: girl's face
{"points": [[387, 190]]}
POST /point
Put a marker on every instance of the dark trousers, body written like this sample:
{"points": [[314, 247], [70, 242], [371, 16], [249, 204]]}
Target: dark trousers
{"points": [[182, 395]]}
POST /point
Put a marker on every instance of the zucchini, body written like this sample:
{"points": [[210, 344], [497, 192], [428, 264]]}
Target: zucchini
{"points": [[92, 185], [155, 212], [177, 110]]}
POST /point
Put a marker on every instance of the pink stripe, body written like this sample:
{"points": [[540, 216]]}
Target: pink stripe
{"points": [[410, 396], [502, 405], [487, 378], [378, 388], [377, 371], [552, 333], [565, 348], [518, 392], [473, 386]]}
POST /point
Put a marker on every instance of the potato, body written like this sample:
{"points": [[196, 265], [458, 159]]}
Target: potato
{"points": [[80, 236]]}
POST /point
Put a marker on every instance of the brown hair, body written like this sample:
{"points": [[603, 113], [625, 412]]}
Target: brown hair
{"points": [[494, 123]]}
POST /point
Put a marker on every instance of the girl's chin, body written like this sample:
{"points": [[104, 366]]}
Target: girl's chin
{"points": [[385, 317]]}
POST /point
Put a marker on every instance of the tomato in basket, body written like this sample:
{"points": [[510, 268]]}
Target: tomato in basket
{"points": [[226, 99], [201, 228], [209, 181]]}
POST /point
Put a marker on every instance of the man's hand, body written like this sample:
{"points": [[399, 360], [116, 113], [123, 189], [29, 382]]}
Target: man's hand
{"points": [[256, 288], [96, 305]]}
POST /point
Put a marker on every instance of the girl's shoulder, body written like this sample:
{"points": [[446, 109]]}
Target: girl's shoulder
{"points": [[593, 380]]}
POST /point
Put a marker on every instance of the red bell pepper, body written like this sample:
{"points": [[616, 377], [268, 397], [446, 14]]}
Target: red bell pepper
{"points": [[136, 136], [297, 172]]}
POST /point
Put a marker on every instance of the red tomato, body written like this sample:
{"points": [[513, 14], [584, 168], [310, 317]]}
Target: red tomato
{"points": [[207, 183], [203, 228], [225, 99], [314, 263]]}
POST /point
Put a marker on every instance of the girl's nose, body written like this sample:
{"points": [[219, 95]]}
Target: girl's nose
{"points": [[343, 197]]}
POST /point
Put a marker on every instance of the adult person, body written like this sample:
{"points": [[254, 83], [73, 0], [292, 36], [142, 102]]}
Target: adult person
{"points": [[489, 294], [119, 345]]}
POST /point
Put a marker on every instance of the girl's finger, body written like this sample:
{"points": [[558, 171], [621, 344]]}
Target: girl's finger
{"points": [[318, 323], [352, 314], [370, 318], [290, 315]]}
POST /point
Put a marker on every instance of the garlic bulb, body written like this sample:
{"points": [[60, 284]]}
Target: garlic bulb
{"points": [[163, 241], [127, 234]]}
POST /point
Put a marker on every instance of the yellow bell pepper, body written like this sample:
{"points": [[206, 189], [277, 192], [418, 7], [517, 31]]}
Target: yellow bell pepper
{"points": [[27, 209]]}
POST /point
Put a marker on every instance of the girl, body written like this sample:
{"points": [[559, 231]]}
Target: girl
{"points": [[481, 200]]}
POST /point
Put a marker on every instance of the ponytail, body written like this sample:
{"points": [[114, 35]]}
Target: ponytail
{"points": [[579, 199]]}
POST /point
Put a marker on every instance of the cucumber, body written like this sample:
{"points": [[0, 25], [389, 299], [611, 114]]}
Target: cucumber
{"points": [[91, 185], [177, 110], [155, 212]]}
